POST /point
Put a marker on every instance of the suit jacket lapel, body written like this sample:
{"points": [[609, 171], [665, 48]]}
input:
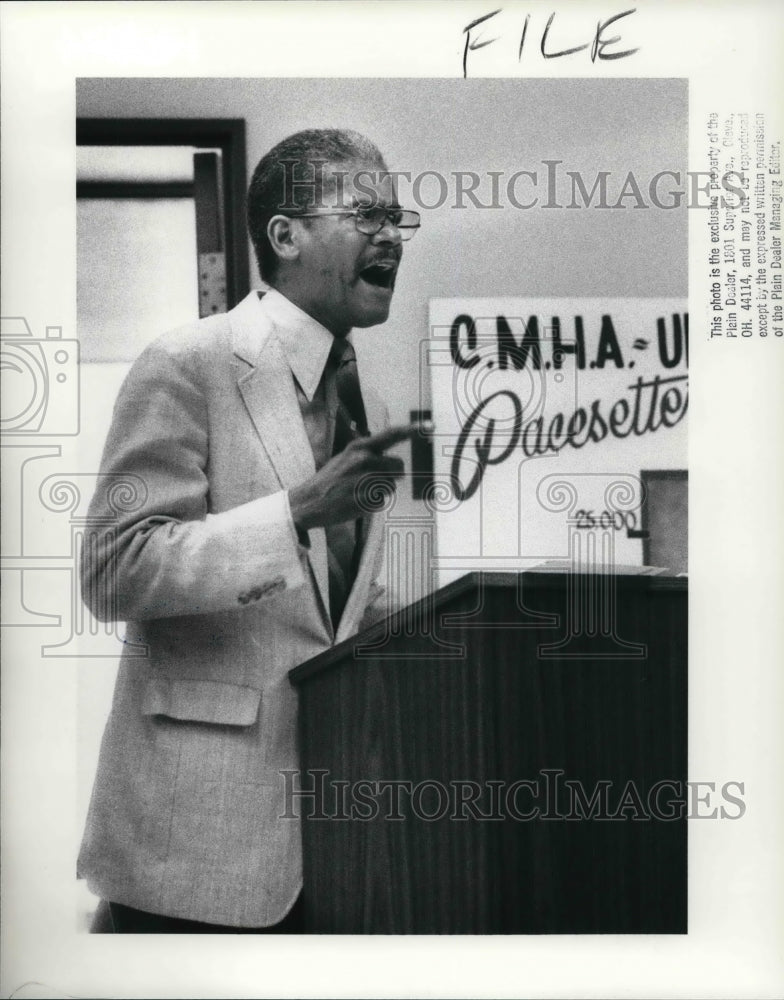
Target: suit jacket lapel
{"points": [[376, 416], [267, 387], [374, 526], [375, 412]]}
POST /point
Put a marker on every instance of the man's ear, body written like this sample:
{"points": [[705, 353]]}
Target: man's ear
{"points": [[283, 234]]}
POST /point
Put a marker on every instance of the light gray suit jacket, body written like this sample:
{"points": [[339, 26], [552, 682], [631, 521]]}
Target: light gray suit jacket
{"points": [[209, 574]]}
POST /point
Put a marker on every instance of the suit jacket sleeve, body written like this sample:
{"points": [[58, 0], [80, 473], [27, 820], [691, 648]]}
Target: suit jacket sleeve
{"points": [[168, 555]]}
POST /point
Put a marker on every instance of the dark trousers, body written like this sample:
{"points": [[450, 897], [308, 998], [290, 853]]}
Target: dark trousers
{"points": [[115, 918]]}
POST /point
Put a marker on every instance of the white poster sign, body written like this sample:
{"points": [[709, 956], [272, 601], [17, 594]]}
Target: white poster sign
{"points": [[550, 417]]}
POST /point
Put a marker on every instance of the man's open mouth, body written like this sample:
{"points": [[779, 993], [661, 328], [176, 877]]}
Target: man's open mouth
{"points": [[382, 275]]}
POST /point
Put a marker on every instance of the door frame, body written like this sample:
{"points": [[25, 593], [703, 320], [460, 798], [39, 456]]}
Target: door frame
{"points": [[226, 134]]}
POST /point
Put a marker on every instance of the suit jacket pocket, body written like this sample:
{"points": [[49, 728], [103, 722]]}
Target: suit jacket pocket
{"points": [[197, 700]]}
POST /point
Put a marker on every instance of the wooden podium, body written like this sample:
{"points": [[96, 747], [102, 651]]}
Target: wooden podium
{"points": [[506, 756]]}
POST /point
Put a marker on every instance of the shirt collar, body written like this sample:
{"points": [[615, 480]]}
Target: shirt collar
{"points": [[305, 342]]}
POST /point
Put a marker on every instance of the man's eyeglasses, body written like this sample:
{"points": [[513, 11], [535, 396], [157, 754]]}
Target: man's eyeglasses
{"points": [[372, 220]]}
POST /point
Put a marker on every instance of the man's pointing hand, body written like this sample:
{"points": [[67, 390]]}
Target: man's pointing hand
{"points": [[335, 493]]}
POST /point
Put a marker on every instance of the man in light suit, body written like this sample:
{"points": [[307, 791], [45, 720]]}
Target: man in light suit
{"points": [[247, 550]]}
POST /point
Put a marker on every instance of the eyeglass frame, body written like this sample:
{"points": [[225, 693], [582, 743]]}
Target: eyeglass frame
{"points": [[358, 213]]}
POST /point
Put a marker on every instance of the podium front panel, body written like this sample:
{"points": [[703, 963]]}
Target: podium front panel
{"points": [[508, 757]]}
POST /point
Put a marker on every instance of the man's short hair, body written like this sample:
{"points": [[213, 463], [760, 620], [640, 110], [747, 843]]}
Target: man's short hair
{"points": [[286, 180]]}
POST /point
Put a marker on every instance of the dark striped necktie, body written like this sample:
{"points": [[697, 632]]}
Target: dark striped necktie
{"points": [[350, 421], [344, 540]]}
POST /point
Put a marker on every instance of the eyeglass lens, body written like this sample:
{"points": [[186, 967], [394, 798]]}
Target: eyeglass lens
{"points": [[372, 220]]}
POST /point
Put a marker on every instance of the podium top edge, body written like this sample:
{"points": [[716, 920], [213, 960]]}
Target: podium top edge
{"points": [[540, 577]]}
